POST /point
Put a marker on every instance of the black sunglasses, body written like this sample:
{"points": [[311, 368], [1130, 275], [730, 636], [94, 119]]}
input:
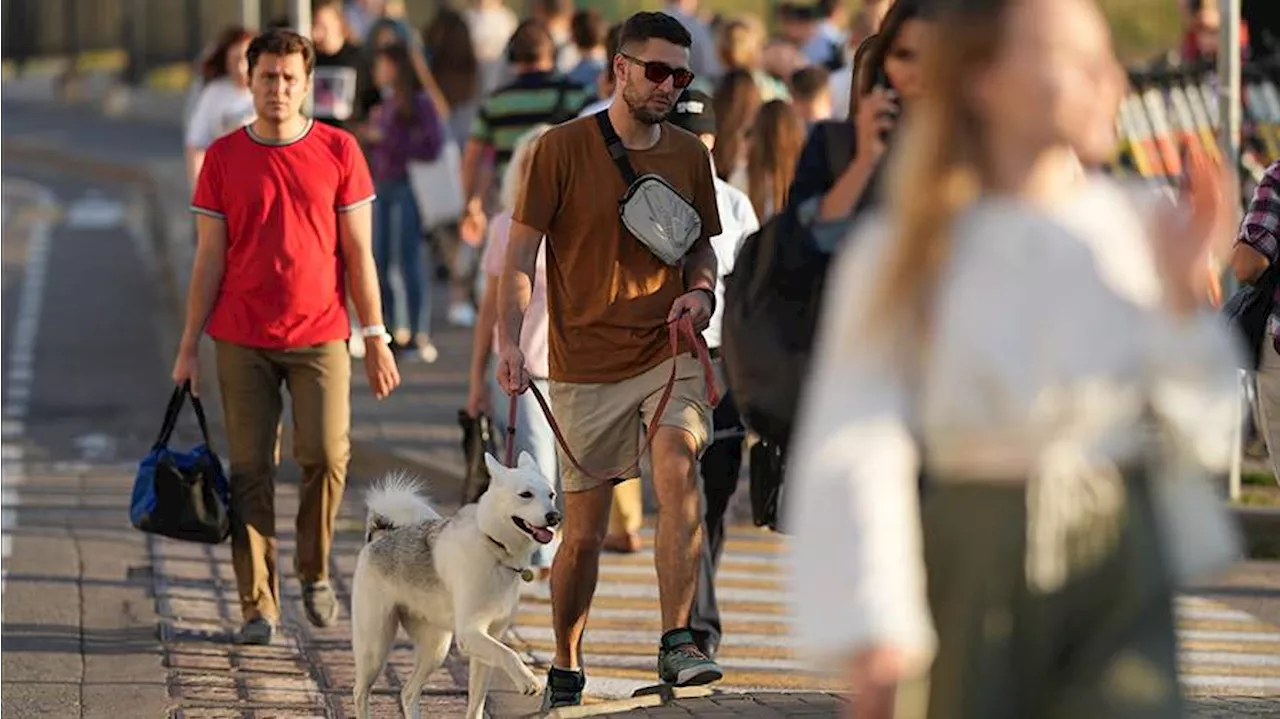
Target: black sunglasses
{"points": [[658, 72]]}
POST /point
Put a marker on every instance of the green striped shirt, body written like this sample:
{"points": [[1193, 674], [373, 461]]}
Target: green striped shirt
{"points": [[512, 110]]}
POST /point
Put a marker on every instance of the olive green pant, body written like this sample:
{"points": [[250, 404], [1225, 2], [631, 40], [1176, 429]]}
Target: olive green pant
{"points": [[319, 382], [1100, 646]]}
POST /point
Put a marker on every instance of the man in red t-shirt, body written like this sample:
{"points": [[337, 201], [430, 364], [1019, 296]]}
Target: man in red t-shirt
{"points": [[284, 216]]}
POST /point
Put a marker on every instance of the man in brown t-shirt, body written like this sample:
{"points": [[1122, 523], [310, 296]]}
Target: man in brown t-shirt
{"points": [[610, 300]]}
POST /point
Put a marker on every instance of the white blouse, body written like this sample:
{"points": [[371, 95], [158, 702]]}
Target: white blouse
{"points": [[1049, 343]]}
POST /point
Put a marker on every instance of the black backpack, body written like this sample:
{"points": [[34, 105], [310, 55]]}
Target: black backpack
{"points": [[771, 309]]}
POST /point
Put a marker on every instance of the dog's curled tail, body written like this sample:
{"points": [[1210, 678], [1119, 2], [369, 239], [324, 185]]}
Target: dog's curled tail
{"points": [[396, 501]]}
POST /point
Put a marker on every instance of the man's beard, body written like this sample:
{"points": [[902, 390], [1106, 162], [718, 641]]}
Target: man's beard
{"points": [[640, 109]]}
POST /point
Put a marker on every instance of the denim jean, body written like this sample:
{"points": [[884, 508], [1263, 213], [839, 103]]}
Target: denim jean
{"points": [[398, 242], [533, 435]]}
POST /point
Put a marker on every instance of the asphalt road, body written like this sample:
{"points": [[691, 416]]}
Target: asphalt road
{"points": [[81, 130], [84, 387]]}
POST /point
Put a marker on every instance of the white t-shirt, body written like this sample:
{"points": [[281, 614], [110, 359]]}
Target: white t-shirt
{"points": [[597, 106], [737, 220], [839, 83], [223, 106], [533, 335]]}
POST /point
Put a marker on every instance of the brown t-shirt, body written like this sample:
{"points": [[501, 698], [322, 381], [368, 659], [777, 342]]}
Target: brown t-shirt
{"points": [[608, 296]]}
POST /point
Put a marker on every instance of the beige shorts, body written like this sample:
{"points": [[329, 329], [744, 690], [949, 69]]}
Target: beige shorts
{"points": [[604, 423]]}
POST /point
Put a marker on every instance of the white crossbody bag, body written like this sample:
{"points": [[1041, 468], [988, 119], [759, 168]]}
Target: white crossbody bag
{"points": [[651, 209]]}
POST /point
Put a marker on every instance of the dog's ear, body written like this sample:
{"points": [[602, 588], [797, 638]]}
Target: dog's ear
{"points": [[526, 461], [496, 470]]}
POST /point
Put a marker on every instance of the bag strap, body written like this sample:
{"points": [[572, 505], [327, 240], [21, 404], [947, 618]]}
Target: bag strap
{"points": [[199, 408], [171, 413], [616, 149], [170, 417]]}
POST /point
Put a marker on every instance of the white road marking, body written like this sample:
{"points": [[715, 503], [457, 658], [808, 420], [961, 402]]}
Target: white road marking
{"points": [[1232, 684], [95, 211], [1205, 635], [21, 359]]}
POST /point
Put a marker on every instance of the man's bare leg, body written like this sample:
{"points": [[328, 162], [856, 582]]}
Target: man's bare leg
{"points": [[679, 540], [576, 567]]}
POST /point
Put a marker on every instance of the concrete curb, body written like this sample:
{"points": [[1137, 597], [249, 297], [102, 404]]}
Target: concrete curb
{"points": [[374, 458]]}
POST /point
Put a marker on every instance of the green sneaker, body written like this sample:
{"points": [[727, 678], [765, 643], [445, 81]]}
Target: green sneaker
{"points": [[256, 632], [564, 688], [681, 663]]}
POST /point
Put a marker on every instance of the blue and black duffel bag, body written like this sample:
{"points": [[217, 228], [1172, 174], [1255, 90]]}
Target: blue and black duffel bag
{"points": [[183, 495]]}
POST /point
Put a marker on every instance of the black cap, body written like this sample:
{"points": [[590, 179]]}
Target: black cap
{"points": [[694, 113]]}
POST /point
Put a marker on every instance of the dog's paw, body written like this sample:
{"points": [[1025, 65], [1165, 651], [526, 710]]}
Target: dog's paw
{"points": [[530, 686]]}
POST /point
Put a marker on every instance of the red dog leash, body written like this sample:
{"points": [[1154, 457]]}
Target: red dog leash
{"points": [[674, 329]]}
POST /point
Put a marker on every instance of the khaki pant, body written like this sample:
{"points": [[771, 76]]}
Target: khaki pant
{"points": [[319, 382], [626, 514], [603, 423]]}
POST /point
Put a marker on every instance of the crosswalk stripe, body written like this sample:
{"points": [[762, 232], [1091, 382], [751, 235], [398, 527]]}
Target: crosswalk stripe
{"points": [[627, 590], [1226, 636], [645, 642], [654, 624], [1232, 658], [648, 604], [1268, 685]]}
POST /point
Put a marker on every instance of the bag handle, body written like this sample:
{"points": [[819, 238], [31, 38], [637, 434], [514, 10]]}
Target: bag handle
{"points": [[180, 393], [617, 151]]}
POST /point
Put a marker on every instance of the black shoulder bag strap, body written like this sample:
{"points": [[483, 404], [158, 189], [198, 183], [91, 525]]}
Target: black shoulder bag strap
{"points": [[616, 149]]}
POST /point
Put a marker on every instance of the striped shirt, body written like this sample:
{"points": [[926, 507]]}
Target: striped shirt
{"points": [[1261, 231], [511, 111]]}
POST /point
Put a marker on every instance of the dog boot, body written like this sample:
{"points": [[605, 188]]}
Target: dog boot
{"points": [[564, 688], [681, 663], [320, 603], [256, 631]]}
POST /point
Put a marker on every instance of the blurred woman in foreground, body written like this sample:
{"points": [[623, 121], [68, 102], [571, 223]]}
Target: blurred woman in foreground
{"points": [[1018, 342]]}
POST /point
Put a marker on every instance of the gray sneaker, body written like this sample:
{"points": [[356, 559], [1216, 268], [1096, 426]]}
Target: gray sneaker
{"points": [[320, 603], [256, 631], [681, 663]]}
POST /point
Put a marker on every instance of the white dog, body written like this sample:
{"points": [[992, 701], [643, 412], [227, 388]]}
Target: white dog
{"points": [[440, 578]]}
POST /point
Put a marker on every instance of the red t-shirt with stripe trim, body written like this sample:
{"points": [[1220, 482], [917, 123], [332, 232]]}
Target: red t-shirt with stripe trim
{"points": [[284, 285]]}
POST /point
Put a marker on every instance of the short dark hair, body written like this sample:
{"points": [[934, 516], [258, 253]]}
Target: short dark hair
{"points": [[809, 82], [645, 26], [588, 29], [283, 42], [531, 43]]}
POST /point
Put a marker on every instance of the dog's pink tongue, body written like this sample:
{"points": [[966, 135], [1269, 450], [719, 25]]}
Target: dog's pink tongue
{"points": [[542, 535]]}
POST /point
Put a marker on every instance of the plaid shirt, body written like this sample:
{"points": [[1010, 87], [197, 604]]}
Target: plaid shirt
{"points": [[1261, 231]]}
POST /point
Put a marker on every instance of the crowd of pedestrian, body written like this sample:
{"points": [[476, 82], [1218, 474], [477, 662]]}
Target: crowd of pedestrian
{"points": [[992, 344]]}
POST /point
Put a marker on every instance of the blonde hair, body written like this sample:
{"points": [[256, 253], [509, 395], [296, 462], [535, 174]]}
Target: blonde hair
{"points": [[517, 170], [938, 171]]}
